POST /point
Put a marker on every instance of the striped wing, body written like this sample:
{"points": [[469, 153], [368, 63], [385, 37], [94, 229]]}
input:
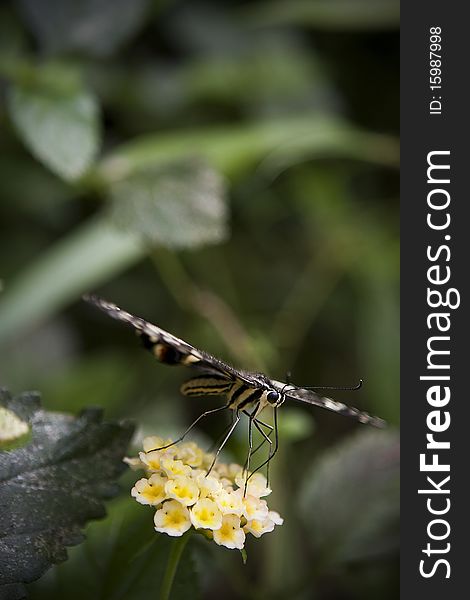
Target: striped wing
{"points": [[310, 397], [169, 349]]}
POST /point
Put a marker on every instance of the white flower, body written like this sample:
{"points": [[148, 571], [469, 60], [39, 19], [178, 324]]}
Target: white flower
{"points": [[230, 502], [230, 534], [150, 491], [173, 468], [222, 503], [205, 514], [153, 442], [254, 508], [134, 463], [256, 486], [257, 527], [151, 460], [183, 489], [190, 454], [172, 518], [275, 517], [208, 485]]}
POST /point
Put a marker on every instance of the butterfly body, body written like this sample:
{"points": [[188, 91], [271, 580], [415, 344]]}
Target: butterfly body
{"points": [[245, 391]]}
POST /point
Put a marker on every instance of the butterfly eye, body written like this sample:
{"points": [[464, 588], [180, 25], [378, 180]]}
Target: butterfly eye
{"points": [[272, 397]]}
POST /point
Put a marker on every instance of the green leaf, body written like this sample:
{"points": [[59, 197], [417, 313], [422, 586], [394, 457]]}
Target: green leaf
{"points": [[180, 205], [234, 149], [295, 424], [92, 253], [59, 126], [121, 559], [350, 498], [53, 485], [96, 27]]}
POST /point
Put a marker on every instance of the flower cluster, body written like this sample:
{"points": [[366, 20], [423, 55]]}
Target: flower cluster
{"points": [[185, 496]]}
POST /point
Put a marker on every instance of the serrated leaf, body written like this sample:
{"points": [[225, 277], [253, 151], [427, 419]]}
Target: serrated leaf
{"points": [[96, 27], [350, 498], [179, 205], [50, 487], [60, 127], [121, 559]]}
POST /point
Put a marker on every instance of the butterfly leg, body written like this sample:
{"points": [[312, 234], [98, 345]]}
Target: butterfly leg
{"points": [[193, 424], [257, 423], [267, 425], [219, 450], [272, 451], [215, 444], [270, 442], [250, 441]]}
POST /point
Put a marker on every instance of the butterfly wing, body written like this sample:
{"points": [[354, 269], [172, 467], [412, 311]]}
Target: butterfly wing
{"points": [[171, 350], [311, 397]]}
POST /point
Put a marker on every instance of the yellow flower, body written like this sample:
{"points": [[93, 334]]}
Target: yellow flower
{"points": [[151, 460], [208, 485], [190, 454], [183, 489], [254, 508], [150, 491], [153, 442], [173, 468], [134, 463], [172, 518], [206, 515], [275, 517], [257, 485], [230, 502], [186, 496], [230, 534], [258, 527]]}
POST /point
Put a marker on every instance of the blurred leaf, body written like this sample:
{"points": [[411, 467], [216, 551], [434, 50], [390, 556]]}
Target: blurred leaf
{"points": [[179, 205], [271, 78], [350, 498], [234, 149], [104, 379], [295, 424], [92, 253], [121, 559], [377, 286], [328, 14], [95, 27], [54, 484], [59, 126], [32, 191]]}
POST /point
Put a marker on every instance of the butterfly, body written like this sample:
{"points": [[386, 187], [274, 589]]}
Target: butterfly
{"points": [[245, 392]]}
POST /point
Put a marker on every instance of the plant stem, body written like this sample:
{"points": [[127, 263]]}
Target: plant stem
{"points": [[172, 565]]}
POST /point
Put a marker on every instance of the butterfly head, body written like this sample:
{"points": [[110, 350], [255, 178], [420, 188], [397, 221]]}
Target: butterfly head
{"points": [[275, 398]]}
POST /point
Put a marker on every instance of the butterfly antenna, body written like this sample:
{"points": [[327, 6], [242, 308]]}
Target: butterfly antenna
{"points": [[335, 387]]}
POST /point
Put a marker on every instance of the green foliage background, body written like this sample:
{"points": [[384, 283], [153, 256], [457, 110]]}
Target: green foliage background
{"points": [[229, 171]]}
